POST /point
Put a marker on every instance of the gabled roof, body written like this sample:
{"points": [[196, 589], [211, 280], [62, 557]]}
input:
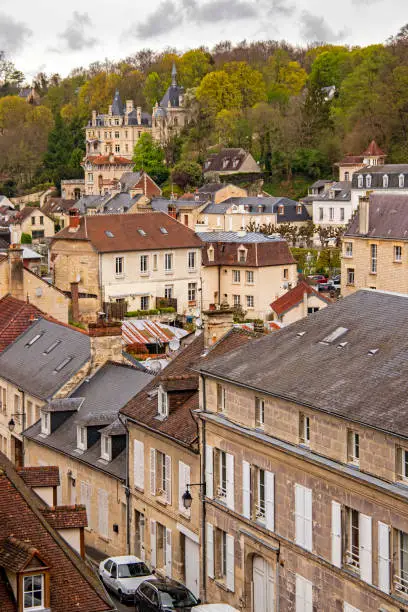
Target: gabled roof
{"points": [[25, 531], [228, 160], [15, 317], [274, 252], [40, 476], [66, 517], [116, 233], [58, 206], [388, 217], [373, 150], [294, 297]]}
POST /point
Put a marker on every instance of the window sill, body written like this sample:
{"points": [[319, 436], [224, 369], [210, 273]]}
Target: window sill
{"points": [[373, 273], [168, 272], [119, 276], [350, 285], [398, 261], [162, 500], [185, 514], [104, 539], [140, 489], [346, 256], [221, 584], [145, 274], [192, 270]]}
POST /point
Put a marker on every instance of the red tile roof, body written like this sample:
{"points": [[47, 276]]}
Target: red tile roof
{"points": [[21, 517], [66, 517], [15, 317], [373, 149], [294, 297], [116, 233], [102, 160], [40, 476]]}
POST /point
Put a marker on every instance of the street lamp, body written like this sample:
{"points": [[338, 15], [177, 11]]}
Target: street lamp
{"points": [[11, 424], [187, 498]]}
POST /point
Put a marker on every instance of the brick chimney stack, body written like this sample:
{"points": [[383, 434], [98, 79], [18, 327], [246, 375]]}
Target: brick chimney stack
{"points": [[106, 342], [16, 271], [139, 115], [216, 324], [74, 219], [364, 215]]}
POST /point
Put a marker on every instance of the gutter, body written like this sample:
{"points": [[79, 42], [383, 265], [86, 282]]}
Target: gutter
{"points": [[123, 420], [161, 433], [202, 499]]}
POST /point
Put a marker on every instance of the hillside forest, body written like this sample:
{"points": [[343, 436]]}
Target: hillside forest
{"points": [[268, 97]]}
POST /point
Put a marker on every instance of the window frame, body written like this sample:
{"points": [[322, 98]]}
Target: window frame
{"points": [[119, 266], [192, 261], [348, 249], [304, 429], [220, 398], [353, 447], [45, 423], [373, 258], [168, 262], [144, 264], [24, 591], [106, 447], [144, 302], [236, 277], [250, 301], [350, 273], [192, 292], [259, 412], [162, 403], [250, 277], [81, 444], [397, 259]]}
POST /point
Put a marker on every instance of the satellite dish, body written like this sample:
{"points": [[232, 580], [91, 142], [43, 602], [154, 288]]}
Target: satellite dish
{"points": [[174, 344], [153, 365], [199, 322]]}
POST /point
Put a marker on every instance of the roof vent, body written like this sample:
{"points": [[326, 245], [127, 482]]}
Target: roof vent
{"points": [[163, 230], [109, 234], [342, 344], [141, 232], [373, 351], [335, 335], [300, 334]]}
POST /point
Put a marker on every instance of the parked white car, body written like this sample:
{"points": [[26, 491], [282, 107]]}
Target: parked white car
{"points": [[217, 607], [122, 575]]}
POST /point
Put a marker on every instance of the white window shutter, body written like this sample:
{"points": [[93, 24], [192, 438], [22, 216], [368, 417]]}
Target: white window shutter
{"points": [[103, 521], [304, 594], [308, 519], [210, 550], [246, 489], [153, 543], [138, 463], [209, 471], [184, 480], [168, 553], [349, 608], [230, 563], [384, 557], [336, 534], [168, 479], [230, 481], [270, 500], [299, 510], [366, 565], [153, 471]]}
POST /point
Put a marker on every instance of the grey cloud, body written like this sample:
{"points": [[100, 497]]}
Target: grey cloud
{"points": [[75, 35], [221, 10], [165, 18], [315, 29], [13, 34], [365, 2], [281, 8]]}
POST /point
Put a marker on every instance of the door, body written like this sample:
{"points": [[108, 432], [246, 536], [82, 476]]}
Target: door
{"points": [[263, 586], [192, 566]]}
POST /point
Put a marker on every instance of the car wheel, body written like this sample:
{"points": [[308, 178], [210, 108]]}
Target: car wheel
{"points": [[120, 596]]}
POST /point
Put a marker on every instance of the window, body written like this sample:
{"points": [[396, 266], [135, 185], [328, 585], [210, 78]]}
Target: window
{"points": [[353, 447], [81, 438], [250, 301], [168, 262], [401, 577], [352, 538], [117, 135], [168, 292], [236, 300], [304, 594], [281, 210], [299, 209], [259, 412], [37, 234], [347, 176], [3, 396], [144, 264], [45, 423], [41, 220], [116, 121], [119, 266], [331, 214], [242, 256], [260, 506], [285, 273], [220, 398], [303, 516], [373, 257], [397, 253], [162, 402], [144, 302], [163, 230], [192, 260], [52, 347], [106, 448], [236, 276], [368, 180], [360, 181], [161, 472], [402, 464], [33, 592], [222, 475], [192, 292], [320, 214], [348, 249], [210, 253], [401, 181], [32, 220], [117, 148], [304, 429], [312, 309], [221, 555], [385, 181], [62, 365], [342, 214], [250, 277], [155, 261], [350, 276]]}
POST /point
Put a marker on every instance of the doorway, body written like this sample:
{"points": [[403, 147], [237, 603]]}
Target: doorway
{"points": [[192, 565]]}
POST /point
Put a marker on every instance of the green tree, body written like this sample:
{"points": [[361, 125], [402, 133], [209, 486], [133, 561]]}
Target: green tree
{"points": [[187, 174], [194, 65], [217, 91], [149, 156], [154, 88], [284, 77], [249, 82]]}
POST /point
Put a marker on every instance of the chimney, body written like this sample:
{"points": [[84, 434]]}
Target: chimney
{"points": [[129, 106], [16, 271], [75, 301], [364, 215], [216, 324], [74, 219], [106, 343], [139, 115], [94, 118]]}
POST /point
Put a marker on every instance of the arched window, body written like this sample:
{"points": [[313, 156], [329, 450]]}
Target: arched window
{"points": [[360, 181], [385, 181], [401, 181], [368, 180]]}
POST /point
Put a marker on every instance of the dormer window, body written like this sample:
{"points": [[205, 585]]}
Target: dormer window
{"points": [[401, 181], [298, 209], [368, 180], [210, 253], [235, 162], [242, 255], [45, 423], [281, 210], [81, 437], [360, 181], [225, 163], [162, 403], [33, 592], [106, 448], [385, 181]]}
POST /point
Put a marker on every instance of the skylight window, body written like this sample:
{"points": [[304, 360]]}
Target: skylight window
{"points": [[109, 234], [34, 339], [335, 335], [63, 363], [373, 351], [163, 230], [141, 232], [52, 347]]}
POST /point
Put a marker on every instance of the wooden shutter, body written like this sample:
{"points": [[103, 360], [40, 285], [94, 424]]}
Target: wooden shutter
{"points": [[153, 471], [299, 510], [270, 500], [230, 481], [336, 534], [184, 480], [308, 519], [246, 489], [384, 557], [153, 542], [138, 464], [304, 594], [349, 608], [168, 478], [210, 550], [103, 521], [366, 566], [168, 552], [209, 474], [230, 564]]}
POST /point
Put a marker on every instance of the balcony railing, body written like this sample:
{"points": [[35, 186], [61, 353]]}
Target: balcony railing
{"points": [[401, 581], [353, 557], [260, 512]]}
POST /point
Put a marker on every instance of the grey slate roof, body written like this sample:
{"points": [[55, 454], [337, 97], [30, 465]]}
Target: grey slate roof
{"points": [[121, 202], [34, 371], [104, 394], [90, 201], [163, 205], [235, 237], [348, 381], [117, 104], [129, 179], [388, 217], [269, 205], [377, 172], [341, 190]]}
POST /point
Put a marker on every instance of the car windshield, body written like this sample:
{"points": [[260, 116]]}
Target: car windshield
{"points": [[133, 570], [176, 598]]}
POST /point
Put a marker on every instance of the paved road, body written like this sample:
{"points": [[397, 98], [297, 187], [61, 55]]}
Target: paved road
{"points": [[121, 607]]}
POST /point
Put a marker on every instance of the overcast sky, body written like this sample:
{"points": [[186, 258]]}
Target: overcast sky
{"points": [[58, 36]]}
